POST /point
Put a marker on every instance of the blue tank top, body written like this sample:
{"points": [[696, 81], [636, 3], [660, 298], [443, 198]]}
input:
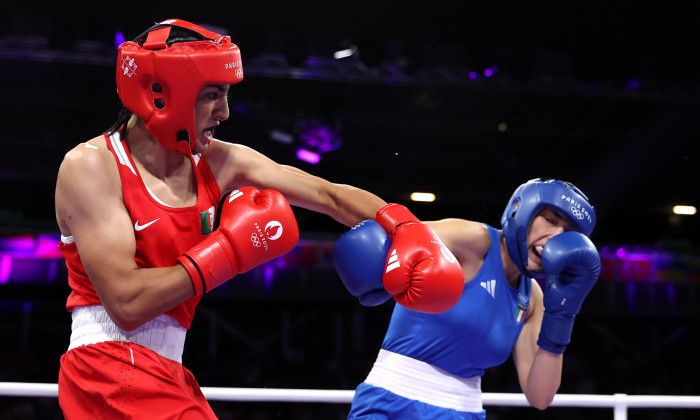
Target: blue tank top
{"points": [[478, 332]]}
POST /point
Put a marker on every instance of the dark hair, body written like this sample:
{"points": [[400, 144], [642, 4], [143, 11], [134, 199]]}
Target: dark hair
{"points": [[177, 34], [122, 119]]}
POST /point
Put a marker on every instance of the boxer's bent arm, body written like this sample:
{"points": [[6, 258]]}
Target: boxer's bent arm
{"points": [[539, 371], [469, 242], [89, 207], [235, 166]]}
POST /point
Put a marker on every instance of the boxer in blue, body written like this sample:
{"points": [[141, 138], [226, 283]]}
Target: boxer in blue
{"points": [[432, 359]]}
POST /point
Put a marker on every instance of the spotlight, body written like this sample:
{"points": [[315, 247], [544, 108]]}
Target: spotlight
{"points": [[315, 139], [118, 39], [685, 210], [348, 52], [634, 84], [308, 156], [5, 268], [422, 196], [281, 137]]}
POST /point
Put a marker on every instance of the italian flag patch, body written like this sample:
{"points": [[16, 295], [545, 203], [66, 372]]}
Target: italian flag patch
{"points": [[520, 313]]}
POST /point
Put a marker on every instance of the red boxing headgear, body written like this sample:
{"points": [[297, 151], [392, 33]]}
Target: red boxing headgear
{"points": [[159, 80]]}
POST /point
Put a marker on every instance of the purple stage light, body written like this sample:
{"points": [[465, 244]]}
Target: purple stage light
{"points": [[118, 39], [308, 156], [21, 244], [268, 276], [47, 246], [320, 137], [240, 108], [29, 258], [31, 246], [5, 268], [313, 61], [631, 292], [671, 294], [473, 75], [315, 139]]}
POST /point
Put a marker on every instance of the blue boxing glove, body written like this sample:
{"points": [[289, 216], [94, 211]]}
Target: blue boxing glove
{"points": [[359, 256], [572, 265]]}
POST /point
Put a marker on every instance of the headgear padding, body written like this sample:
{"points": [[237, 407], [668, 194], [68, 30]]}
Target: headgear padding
{"points": [[159, 80], [531, 197]]}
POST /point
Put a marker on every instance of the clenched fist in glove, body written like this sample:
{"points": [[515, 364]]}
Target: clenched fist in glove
{"points": [[421, 273], [359, 256], [251, 227], [572, 265]]}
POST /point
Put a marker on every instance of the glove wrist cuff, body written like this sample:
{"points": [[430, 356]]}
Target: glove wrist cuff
{"points": [[195, 274], [391, 215], [555, 332], [210, 263]]}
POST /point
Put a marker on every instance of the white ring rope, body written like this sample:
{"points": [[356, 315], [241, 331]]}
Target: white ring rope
{"points": [[26, 389]]}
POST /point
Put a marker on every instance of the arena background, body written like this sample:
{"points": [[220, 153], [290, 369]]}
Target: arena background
{"points": [[462, 99]]}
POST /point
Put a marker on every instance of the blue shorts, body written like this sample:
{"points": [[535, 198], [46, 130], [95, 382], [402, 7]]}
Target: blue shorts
{"points": [[373, 403]]}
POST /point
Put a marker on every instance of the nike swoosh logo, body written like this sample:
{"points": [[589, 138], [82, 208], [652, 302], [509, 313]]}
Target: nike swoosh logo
{"points": [[138, 227]]}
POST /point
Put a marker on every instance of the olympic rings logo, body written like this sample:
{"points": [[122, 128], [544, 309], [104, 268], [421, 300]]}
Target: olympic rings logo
{"points": [[273, 231], [577, 213]]}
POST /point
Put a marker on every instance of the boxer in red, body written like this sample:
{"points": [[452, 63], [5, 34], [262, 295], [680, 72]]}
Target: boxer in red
{"points": [[156, 212]]}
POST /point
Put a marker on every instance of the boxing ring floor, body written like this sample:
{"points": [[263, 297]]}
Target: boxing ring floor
{"points": [[619, 403]]}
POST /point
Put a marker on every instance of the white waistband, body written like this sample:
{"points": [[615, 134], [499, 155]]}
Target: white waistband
{"points": [[417, 380], [164, 335]]}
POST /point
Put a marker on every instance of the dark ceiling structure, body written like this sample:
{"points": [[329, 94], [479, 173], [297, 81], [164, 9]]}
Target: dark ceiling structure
{"points": [[463, 100]]}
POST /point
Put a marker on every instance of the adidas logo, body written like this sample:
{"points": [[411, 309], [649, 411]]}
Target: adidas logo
{"points": [[393, 261], [234, 195], [490, 287]]}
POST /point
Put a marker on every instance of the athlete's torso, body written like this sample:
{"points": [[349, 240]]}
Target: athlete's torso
{"points": [[478, 332], [162, 232]]}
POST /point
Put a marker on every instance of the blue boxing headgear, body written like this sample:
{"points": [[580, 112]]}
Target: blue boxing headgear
{"points": [[531, 197]]}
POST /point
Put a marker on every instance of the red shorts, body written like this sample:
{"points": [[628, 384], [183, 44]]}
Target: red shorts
{"points": [[113, 380]]}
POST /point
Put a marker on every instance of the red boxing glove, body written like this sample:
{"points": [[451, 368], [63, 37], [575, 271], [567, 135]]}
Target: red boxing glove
{"points": [[252, 227], [421, 273]]}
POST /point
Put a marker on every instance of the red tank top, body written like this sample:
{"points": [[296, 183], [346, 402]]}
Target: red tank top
{"points": [[163, 233]]}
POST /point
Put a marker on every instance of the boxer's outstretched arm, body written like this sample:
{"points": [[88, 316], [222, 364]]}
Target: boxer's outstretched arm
{"points": [[235, 166]]}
